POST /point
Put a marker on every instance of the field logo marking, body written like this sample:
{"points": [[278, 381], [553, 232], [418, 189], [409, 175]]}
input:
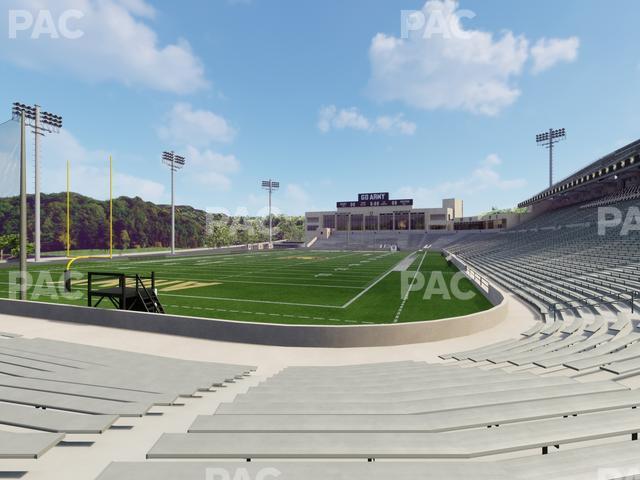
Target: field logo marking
{"points": [[187, 285], [161, 285]]}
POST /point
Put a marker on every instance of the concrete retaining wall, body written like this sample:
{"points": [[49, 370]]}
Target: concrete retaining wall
{"points": [[264, 333]]}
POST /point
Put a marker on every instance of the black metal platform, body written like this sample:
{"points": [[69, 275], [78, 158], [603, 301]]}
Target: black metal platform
{"points": [[131, 293]]}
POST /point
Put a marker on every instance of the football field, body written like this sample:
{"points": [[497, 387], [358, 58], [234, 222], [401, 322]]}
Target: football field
{"points": [[285, 286]]}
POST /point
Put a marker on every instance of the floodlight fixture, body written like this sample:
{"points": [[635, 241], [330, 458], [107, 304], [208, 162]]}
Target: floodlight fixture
{"points": [[271, 186], [175, 163], [548, 140], [41, 123]]}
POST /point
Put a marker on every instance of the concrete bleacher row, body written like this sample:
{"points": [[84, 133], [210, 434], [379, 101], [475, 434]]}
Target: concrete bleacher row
{"points": [[52, 388], [561, 263], [450, 416]]}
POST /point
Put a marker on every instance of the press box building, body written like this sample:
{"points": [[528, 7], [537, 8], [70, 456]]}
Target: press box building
{"points": [[377, 212]]}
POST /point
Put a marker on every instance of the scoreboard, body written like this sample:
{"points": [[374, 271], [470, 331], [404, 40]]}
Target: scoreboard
{"points": [[380, 199]]}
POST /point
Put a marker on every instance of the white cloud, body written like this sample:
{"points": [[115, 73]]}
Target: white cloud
{"points": [[547, 52], [90, 171], [484, 177], [332, 118], [211, 168], [492, 160], [448, 68], [184, 125], [116, 46]]}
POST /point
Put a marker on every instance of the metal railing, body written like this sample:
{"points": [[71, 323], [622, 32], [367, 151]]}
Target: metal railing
{"points": [[595, 301]]}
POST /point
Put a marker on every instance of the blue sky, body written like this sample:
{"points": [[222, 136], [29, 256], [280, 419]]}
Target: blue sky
{"points": [[325, 97]]}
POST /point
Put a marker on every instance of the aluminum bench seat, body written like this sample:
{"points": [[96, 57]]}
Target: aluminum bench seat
{"points": [[523, 346], [388, 387], [622, 367], [27, 445], [535, 329], [436, 391], [472, 417], [323, 470], [422, 406], [549, 332], [567, 354], [618, 349], [90, 391], [552, 342], [73, 403], [458, 372], [595, 462], [442, 445], [52, 420]]}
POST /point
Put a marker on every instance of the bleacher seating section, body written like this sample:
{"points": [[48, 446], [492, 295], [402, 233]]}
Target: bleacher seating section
{"points": [[561, 263], [428, 421], [53, 388]]}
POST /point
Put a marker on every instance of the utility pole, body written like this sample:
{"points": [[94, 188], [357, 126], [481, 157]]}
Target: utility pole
{"points": [[23, 208], [547, 140], [175, 163], [271, 186], [41, 123]]}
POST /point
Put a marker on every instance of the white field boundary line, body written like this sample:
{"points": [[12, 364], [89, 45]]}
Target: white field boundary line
{"points": [[246, 300], [373, 284], [406, 295]]}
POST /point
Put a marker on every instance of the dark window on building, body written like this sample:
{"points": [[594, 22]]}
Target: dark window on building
{"points": [[402, 220], [357, 222], [343, 221], [329, 221], [371, 222], [417, 221], [386, 221]]}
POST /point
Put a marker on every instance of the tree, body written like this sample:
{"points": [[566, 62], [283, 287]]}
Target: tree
{"points": [[219, 235], [125, 240], [12, 244]]}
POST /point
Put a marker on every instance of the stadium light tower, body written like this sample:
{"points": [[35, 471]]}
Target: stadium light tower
{"points": [[41, 123], [547, 140], [175, 163], [271, 186]]}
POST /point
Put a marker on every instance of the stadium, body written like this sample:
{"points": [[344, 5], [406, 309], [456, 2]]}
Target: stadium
{"points": [[399, 334]]}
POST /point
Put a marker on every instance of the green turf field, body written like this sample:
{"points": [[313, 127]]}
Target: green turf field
{"points": [[289, 286]]}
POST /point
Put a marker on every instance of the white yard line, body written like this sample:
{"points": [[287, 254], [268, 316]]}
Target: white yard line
{"points": [[406, 296], [378, 280]]}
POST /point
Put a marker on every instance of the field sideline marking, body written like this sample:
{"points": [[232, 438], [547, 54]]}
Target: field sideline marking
{"points": [[406, 296], [251, 301], [378, 280]]}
